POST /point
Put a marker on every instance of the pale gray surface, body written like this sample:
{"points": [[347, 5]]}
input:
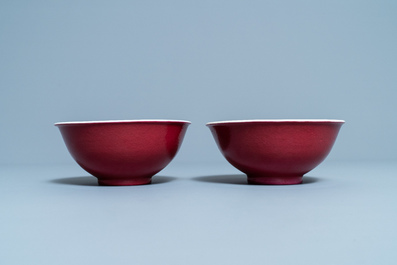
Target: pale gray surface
{"points": [[344, 213], [200, 61]]}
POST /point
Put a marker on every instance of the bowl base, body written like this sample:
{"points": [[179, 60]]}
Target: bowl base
{"points": [[124, 182], [275, 179]]}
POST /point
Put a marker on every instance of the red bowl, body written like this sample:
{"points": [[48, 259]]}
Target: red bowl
{"points": [[121, 153], [275, 152]]}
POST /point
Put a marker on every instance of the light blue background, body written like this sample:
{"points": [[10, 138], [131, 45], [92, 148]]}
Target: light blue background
{"points": [[200, 61]]}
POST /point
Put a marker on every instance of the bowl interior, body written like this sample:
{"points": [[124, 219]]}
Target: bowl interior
{"points": [[122, 121], [275, 121]]}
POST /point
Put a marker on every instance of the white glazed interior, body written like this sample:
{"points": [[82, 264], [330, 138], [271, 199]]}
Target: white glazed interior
{"points": [[118, 121], [275, 120]]}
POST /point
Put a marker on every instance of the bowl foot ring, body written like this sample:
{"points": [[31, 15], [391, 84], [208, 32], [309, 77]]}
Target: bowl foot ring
{"points": [[124, 182], [275, 179]]}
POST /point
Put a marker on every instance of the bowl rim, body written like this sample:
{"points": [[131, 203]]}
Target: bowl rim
{"points": [[276, 121], [121, 121]]}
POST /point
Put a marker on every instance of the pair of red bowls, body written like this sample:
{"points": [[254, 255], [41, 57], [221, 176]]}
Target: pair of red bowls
{"points": [[130, 152]]}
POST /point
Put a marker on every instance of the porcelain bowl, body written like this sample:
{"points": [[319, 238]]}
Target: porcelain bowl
{"points": [[123, 152], [275, 151]]}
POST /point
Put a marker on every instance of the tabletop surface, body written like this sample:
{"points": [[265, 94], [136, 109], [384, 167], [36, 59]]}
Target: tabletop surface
{"points": [[343, 213]]}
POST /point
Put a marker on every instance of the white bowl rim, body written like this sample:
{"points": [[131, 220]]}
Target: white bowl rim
{"points": [[122, 121], [275, 121]]}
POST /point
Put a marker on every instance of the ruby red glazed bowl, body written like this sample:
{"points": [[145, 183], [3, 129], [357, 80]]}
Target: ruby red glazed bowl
{"points": [[275, 152], [121, 153]]}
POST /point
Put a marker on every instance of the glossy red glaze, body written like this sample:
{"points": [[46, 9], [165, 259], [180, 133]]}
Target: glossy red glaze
{"points": [[275, 151], [123, 153]]}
